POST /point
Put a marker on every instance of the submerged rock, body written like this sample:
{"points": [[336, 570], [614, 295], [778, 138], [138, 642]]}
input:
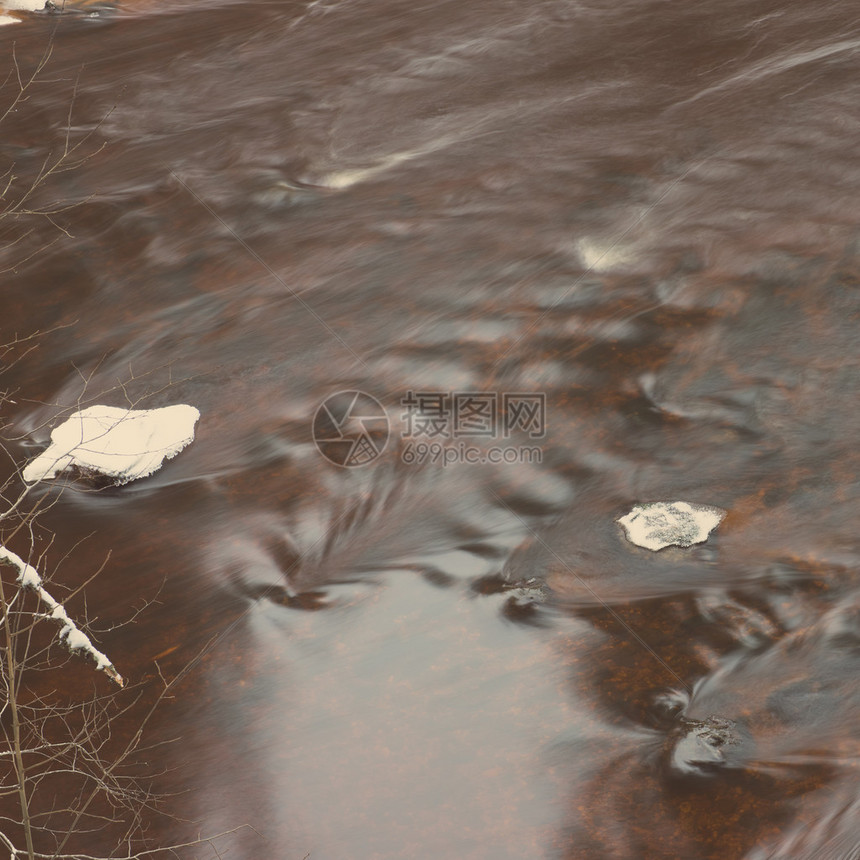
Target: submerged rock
{"points": [[120, 444], [699, 747], [661, 524]]}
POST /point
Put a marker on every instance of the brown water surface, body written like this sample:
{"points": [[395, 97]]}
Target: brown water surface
{"points": [[645, 211]]}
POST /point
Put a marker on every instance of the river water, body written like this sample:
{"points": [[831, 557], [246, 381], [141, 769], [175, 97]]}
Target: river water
{"points": [[645, 214]]}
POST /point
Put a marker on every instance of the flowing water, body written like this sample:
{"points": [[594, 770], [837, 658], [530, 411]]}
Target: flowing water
{"points": [[645, 212]]}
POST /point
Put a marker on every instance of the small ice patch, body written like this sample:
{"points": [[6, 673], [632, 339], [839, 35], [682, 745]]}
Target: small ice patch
{"points": [[663, 524], [342, 179], [597, 256], [123, 444]]}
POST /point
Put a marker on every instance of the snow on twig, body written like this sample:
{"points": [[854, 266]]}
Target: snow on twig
{"points": [[70, 634]]}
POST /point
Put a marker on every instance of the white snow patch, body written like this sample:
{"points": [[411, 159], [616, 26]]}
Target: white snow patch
{"points": [[75, 639], [28, 576], [59, 614], [123, 444], [661, 524], [18, 6]]}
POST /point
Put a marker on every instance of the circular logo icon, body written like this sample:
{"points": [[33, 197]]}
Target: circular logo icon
{"points": [[350, 428]]}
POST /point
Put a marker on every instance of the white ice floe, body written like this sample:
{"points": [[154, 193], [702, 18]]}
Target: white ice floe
{"points": [[23, 5], [18, 6], [661, 524], [122, 444], [70, 634]]}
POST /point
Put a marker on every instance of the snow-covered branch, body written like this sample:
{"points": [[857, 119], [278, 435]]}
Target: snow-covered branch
{"points": [[70, 634]]}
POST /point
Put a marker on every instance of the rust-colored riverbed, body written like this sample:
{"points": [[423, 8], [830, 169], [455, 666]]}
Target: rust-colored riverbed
{"points": [[644, 213]]}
